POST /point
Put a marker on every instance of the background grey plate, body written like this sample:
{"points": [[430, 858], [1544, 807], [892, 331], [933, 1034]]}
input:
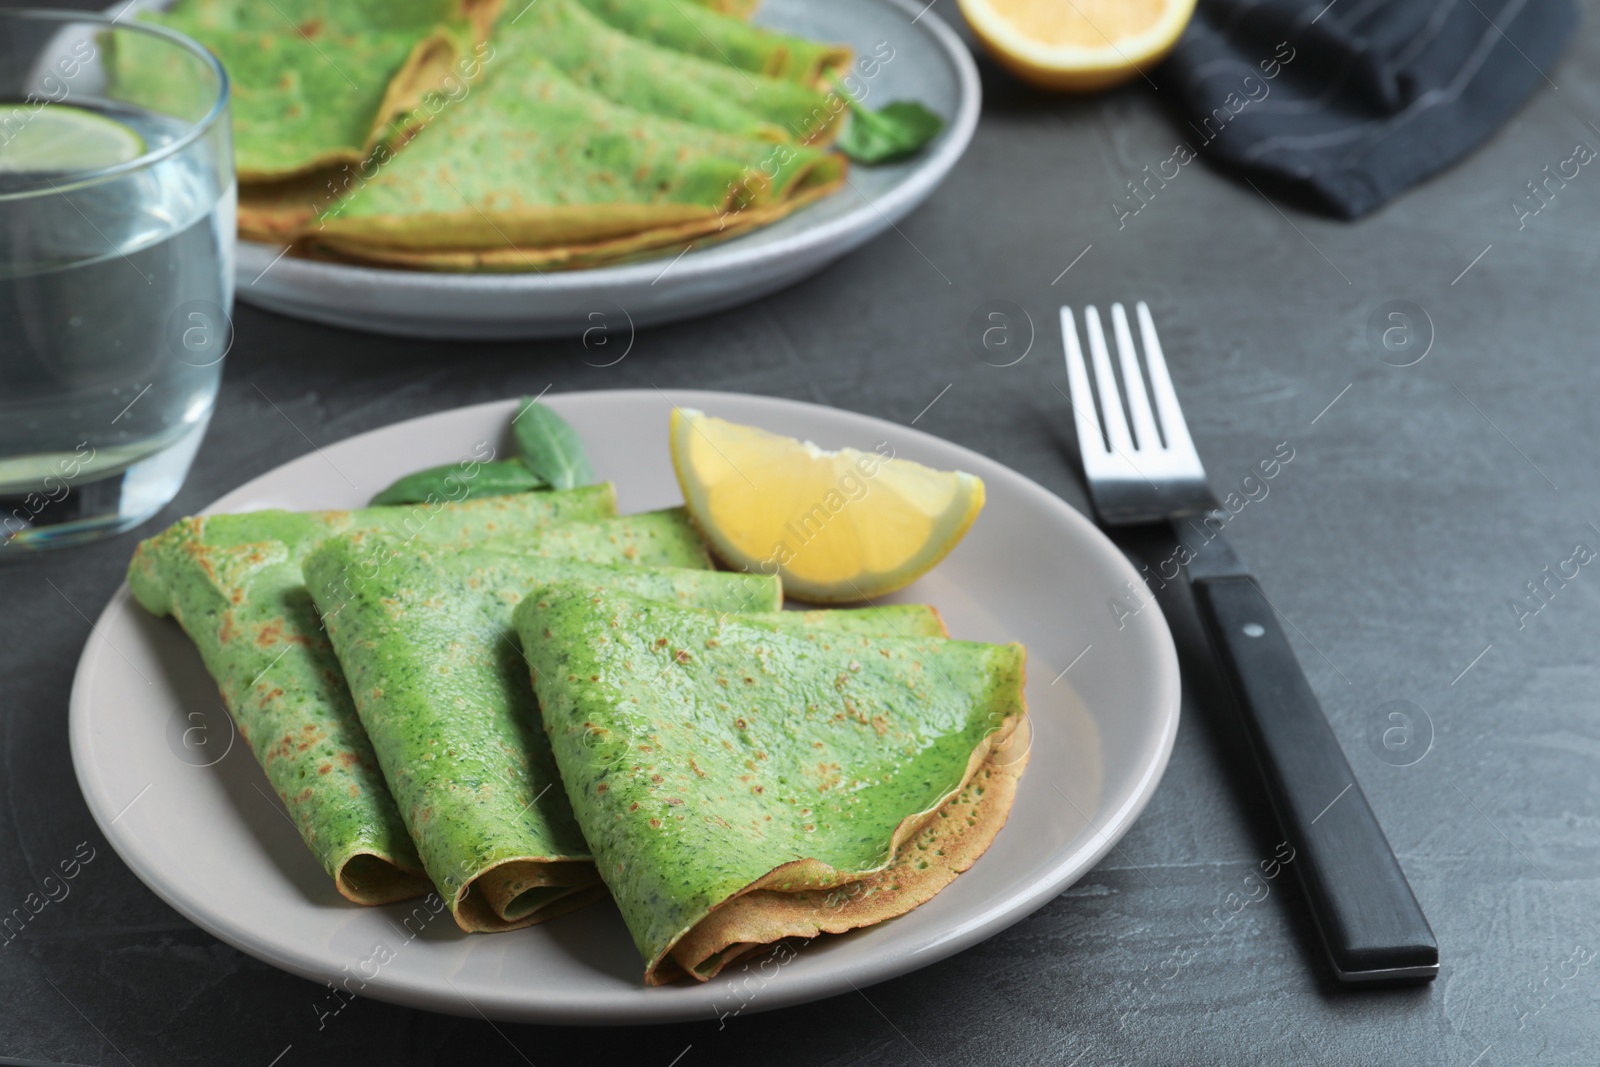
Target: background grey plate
{"points": [[213, 842], [929, 64]]}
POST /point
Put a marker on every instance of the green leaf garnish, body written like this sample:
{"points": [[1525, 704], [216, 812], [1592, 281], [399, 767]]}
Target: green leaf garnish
{"points": [[893, 132], [549, 447], [457, 482]]}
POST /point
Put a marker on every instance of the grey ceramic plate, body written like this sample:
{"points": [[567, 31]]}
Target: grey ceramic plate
{"points": [[206, 834], [929, 64]]}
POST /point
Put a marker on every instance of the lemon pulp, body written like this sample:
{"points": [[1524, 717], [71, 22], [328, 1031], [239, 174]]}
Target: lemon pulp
{"points": [[1081, 44]]}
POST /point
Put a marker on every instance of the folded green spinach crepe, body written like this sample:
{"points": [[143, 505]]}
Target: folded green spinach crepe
{"points": [[725, 38], [647, 77], [434, 664], [234, 583], [531, 170], [741, 779], [318, 82], [428, 651]]}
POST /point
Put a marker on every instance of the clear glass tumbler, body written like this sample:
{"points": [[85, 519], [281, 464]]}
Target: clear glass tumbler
{"points": [[117, 204]]}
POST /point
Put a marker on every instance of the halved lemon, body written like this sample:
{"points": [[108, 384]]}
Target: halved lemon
{"points": [[1078, 44], [62, 138], [839, 526]]}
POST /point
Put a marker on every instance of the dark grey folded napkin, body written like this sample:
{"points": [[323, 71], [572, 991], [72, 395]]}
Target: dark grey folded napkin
{"points": [[1351, 102]]}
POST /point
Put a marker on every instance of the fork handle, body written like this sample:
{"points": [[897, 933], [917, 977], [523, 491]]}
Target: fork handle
{"points": [[1370, 921]]}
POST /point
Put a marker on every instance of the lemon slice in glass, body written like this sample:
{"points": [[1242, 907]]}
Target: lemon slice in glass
{"points": [[1078, 44], [838, 526], [59, 139]]}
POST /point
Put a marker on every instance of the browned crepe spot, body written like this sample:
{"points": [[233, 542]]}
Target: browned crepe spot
{"points": [[739, 9]]}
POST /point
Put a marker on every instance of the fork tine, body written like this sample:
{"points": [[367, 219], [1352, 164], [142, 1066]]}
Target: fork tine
{"points": [[1091, 442], [1130, 485], [1116, 423], [1166, 398], [1144, 423]]}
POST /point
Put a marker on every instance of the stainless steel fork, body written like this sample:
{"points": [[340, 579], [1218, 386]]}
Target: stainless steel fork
{"points": [[1142, 467]]}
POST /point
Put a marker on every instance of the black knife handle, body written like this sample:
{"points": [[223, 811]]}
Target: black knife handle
{"points": [[1370, 921]]}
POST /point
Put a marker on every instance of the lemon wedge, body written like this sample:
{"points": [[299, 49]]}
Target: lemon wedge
{"points": [[838, 526], [1077, 44]]}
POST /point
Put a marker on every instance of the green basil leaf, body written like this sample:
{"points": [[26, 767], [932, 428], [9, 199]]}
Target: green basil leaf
{"points": [[549, 447], [893, 132], [458, 482]]}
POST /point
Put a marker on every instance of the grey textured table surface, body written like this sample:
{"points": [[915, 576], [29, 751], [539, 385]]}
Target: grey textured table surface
{"points": [[1419, 502]]}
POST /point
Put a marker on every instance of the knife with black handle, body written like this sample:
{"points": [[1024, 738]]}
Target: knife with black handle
{"points": [[1370, 921]]}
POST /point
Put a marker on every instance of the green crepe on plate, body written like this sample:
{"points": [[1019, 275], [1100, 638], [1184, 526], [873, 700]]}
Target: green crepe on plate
{"points": [[741, 780], [294, 109], [234, 584], [434, 667], [318, 82], [724, 38], [531, 170], [662, 81], [462, 524], [434, 664]]}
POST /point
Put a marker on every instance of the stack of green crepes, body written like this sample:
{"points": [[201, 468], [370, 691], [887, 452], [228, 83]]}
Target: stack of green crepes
{"points": [[494, 135], [529, 703]]}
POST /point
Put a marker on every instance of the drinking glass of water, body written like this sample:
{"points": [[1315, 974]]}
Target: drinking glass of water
{"points": [[117, 205]]}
